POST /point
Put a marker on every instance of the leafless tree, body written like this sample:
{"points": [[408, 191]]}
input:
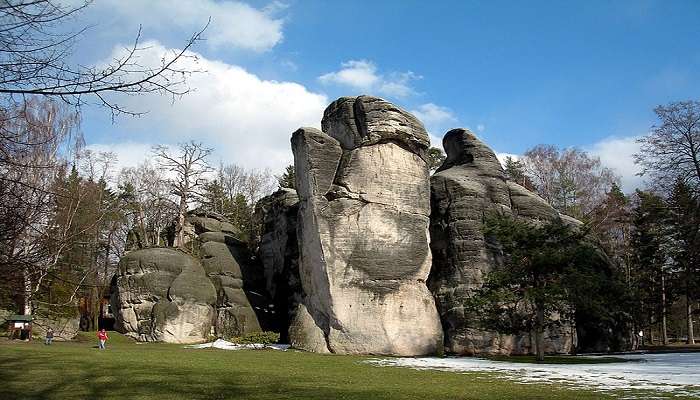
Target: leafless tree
{"points": [[154, 205], [571, 180], [232, 177], [34, 49], [188, 167], [672, 149], [258, 183]]}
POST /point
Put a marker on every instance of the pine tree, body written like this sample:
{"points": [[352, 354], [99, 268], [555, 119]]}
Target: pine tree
{"points": [[287, 179], [435, 158], [515, 171], [684, 211], [532, 284], [650, 252]]}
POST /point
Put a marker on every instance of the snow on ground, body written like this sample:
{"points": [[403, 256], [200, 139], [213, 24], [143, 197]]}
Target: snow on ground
{"points": [[669, 374], [226, 345]]}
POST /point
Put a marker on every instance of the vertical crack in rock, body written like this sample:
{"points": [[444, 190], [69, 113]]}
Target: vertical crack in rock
{"points": [[363, 281]]}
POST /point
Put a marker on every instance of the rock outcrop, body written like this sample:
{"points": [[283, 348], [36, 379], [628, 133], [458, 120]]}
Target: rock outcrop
{"points": [[278, 252], [470, 184], [363, 233], [165, 294]]}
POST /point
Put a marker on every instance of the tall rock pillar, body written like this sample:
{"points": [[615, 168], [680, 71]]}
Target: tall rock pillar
{"points": [[363, 232]]}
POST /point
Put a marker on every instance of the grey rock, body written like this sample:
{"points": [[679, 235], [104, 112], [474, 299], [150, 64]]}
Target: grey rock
{"points": [[365, 120], [278, 252], [362, 228], [162, 294], [469, 185], [165, 294]]}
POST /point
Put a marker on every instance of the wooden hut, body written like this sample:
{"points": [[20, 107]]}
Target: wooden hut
{"points": [[19, 327]]}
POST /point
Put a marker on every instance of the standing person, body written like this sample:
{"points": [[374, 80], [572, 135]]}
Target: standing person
{"points": [[49, 336], [102, 336]]}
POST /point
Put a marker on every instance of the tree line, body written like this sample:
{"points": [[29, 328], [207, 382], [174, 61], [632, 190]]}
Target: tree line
{"points": [[68, 215], [631, 267]]}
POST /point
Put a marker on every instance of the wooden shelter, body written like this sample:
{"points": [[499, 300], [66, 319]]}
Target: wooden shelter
{"points": [[19, 327]]}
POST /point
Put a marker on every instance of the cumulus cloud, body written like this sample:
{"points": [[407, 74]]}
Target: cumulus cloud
{"points": [[616, 153], [364, 77], [502, 157], [248, 120], [233, 23], [129, 154], [437, 120]]}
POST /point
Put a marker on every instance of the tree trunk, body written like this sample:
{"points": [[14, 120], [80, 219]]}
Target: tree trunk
{"points": [[27, 293], [180, 228], [539, 332], [689, 319], [664, 333], [96, 307], [142, 225]]}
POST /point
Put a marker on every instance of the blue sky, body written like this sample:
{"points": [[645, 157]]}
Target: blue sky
{"points": [[585, 74]]}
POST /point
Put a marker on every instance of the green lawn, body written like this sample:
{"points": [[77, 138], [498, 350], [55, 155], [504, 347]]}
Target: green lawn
{"points": [[127, 370]]}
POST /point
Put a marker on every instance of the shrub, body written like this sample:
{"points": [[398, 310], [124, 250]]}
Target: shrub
{"points": [[266, 337]]}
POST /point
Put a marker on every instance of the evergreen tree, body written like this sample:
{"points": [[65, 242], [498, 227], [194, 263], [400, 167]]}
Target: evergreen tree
{"points": [[684, 212], [515, 171], [650, 255], [531, 287], [287, 179], [435, 158], [214, 198]]}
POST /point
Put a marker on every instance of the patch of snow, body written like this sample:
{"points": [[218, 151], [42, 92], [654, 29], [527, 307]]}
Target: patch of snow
{"points": [[226, 345], [676, 374]]}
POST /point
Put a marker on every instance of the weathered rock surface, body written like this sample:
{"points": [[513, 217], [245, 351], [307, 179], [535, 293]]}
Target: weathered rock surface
{"points": [[470, 184], [164, 294], [363, 218], [278, 252]]}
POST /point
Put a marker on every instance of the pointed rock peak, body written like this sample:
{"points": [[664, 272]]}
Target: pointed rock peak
{"points": [[364, 120], [462, 147]]}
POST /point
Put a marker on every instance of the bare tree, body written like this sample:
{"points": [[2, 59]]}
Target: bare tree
{"points": [[153, 203], [571, 180], [258, 183], [672, 149], [34, 48], [232, 177], [189, 167]]}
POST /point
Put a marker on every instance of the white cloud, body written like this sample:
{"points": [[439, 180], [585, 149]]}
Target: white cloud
{"points": [[129, 154], [363, 76], [437, 121], [502, 157], [247, 120], [616, 153], [233, 23]]}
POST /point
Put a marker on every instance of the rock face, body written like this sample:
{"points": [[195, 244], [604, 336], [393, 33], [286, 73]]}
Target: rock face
{"points": [[278, 252], [363, 218], [164, 294], [470, 184]]}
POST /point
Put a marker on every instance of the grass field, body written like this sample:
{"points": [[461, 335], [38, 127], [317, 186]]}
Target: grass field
{"points": [[127, 370]]}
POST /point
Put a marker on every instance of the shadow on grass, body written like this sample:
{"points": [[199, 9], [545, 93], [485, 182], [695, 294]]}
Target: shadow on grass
{"points": [[97, 377]]}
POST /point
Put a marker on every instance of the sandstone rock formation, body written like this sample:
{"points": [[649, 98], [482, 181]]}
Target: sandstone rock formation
{"points": [[278, 252], [470, 184], [363, 219], [164, 294]]}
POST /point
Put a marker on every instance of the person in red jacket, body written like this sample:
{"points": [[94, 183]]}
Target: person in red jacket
{"points": [[102, 336]]}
